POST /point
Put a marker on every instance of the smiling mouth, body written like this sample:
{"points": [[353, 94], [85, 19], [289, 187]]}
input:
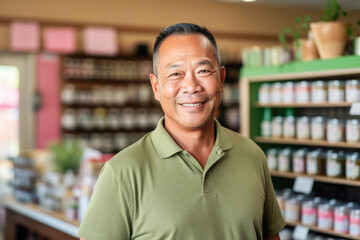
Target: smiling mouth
{"points": [[191, 104]]}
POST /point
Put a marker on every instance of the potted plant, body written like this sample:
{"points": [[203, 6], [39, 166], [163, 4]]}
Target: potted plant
{"points": [[330, 34], [305, 48], [66, 156]]}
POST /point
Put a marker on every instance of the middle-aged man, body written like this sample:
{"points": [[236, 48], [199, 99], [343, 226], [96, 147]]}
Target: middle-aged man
{"points": [[190, 178]]}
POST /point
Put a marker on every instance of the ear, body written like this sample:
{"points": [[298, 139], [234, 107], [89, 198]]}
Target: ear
{"points": [[222, 78], [155, 86]]}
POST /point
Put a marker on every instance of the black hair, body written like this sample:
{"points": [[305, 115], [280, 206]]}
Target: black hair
{"points": [[184, 29]]}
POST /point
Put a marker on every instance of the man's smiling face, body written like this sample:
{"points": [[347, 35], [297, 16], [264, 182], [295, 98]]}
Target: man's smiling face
{"points": [[189, 80]]}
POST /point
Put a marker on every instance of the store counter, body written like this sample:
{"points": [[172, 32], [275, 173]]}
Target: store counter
{"points": [[29, 221]]}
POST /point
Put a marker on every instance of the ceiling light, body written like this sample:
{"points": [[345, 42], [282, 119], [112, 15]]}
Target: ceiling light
{"points": [[249, 0]]}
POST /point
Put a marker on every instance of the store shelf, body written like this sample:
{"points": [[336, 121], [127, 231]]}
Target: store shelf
{"points": [[109, 131], [128, 105], [347, 65], [51, 219], [308, 105], [321, 230], [307, 142], [325, 179], [106, 81]]}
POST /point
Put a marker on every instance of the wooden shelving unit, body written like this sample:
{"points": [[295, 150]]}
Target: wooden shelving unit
{"points": [[307, 142], [342, 68], [322, 230], [342, 181], [308, 105]]}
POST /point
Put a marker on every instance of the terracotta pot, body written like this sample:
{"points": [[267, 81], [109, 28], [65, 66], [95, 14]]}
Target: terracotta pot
{"points": [[330, 38], [308, 50]]}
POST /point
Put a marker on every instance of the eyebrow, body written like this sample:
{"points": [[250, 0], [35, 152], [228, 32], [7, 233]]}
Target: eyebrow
{"points": [[200, 63], [205, 62]]}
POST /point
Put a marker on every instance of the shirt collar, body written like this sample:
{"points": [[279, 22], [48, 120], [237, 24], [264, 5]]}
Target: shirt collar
{"points": [[166, 146]]}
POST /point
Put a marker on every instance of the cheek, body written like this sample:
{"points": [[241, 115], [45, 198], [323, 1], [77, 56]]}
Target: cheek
{"points": [[170, 90]]}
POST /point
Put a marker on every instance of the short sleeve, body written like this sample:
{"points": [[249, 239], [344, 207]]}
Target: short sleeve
{"points": [[108, 214], [273, 220]]}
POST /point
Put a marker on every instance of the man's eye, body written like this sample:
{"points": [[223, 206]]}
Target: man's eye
{"points": [[204, 71], [175, 74]]}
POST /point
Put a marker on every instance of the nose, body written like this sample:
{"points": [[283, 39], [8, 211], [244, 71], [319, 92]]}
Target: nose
{"points": [[191, 84]]}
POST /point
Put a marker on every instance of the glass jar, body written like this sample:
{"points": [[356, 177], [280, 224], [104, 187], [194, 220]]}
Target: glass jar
{"points": [[335, 164], [288, 92], [353, 166], [289, 127], [341, 219], [299, 160], [292, 209], [276, 127], [271, 156], [335, 130], [354, 228], [352, 130], [325, 216], [276, 92], [303, 128], [318, 92], [68, 119], [336, 91], [318, 128], [302, 92], [309, 213], [314, 162], [352, 89], [264, 93], [284, 160]]}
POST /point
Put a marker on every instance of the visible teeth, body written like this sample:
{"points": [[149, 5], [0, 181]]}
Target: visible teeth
{"points": [[191, 104]]}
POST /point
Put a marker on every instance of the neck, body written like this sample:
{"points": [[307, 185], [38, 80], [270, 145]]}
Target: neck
{"points": [[198, 142]]}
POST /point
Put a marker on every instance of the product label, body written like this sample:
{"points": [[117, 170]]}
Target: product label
{"points": [[271, 162], [284, 163], [312, 166], [308, 216], [289, 130], [333, 168], [341, 223], [352, 94], [352, 133], [319, 96], [299, 165], [265, 129]]}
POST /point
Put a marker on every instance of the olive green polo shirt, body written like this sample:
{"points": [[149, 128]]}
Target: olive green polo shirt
{"points": [[154, 190]]}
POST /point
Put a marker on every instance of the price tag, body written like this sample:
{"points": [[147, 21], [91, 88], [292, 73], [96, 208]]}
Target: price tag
{"points": [[303, 185], [300, 232], [355, 108]]}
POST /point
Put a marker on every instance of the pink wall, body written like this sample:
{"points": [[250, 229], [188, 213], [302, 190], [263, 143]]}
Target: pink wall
{"points": [[48, 116]]}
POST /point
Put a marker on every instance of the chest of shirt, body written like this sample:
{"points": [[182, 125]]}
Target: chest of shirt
{"points": [[229, 196]]}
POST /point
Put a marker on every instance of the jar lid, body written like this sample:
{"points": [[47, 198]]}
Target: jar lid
{"points": [[318, 119], [353, 82], [355, 156], [335, 83], [334, 121], [304, 119], [278, 118], [288, 84], [353, 121], [277, 85], [301, 152], [272, 151], [318, 83], [303, 83]]}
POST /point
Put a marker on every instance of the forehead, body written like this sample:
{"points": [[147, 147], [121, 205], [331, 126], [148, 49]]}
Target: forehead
{"points": [[178, 46]]}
